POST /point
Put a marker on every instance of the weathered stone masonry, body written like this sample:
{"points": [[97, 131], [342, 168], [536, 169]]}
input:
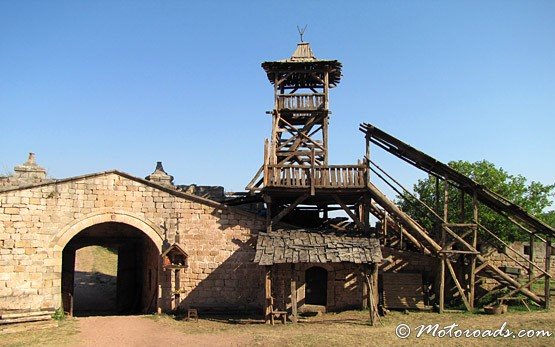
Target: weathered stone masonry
{"points": [[36, 223]]}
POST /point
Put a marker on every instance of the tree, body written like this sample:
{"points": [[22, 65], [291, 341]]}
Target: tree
{"points": [[533, 197]]}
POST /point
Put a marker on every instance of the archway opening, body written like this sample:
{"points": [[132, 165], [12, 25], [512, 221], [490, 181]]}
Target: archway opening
{"points": [[316, 291], [110, 269]]}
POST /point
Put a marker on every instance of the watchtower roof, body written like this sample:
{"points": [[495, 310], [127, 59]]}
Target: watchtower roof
{"points": [[300, 66]]}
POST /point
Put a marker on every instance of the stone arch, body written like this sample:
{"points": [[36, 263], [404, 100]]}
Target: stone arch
{"points": [[69, 231], [140, 262]]}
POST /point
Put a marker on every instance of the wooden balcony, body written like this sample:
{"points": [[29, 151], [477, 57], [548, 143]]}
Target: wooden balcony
{"points": [[332, 176], [300, 102]]}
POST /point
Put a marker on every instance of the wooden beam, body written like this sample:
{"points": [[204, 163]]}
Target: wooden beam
{"points": [[459, 287], [547, 287], [531, 258], [442, 285], [472, 280], [289, 208], [393, 209], [349, 212], [268, 201]]}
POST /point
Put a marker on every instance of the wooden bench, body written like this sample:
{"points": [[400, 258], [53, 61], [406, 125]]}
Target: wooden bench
{"points": [[279, 315], [282, 315]]}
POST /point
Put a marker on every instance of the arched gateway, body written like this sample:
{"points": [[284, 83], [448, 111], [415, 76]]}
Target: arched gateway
{"points": [[138, 245]]}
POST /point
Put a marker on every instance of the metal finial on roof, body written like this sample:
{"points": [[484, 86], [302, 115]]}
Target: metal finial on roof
{"points": [[301, 31]]}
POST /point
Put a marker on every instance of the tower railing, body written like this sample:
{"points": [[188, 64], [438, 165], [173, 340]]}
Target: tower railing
{"points": [[300, 102], [303, 176]]}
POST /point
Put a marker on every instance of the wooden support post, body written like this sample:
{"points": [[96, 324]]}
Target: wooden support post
{"points": [[443, 255], [384, 226], [371, 284], [442, 284], [268, 201], [472, 280], [462, 207], [294, 314], [458, 284], [374, 292], [177, 288], [437, 223], [266, 163], [445, 211], [367, 159], [349, 212], [365, 290], [547, 287], [531, 258], [159, 286], [312, 172], [268, 294]]}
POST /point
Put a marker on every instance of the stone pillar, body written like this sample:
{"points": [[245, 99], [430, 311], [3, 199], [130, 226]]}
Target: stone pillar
{"points": [[160, 176], [29, 172]]}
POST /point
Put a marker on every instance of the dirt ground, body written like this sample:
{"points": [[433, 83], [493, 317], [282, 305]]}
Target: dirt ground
{"points": [[347, 328]]}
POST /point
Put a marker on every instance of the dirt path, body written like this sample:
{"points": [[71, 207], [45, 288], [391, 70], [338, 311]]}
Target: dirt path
{"points": [[141, 331]]}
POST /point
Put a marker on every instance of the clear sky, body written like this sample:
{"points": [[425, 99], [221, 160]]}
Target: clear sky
{"points": [[97, 85]]}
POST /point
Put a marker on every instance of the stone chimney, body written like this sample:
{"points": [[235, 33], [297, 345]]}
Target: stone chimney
{"points": [[29, 172], [160, 176]]}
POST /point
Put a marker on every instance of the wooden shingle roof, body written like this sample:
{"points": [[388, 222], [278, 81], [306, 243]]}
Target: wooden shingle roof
{"points": [[300, 68], [303, 246]]}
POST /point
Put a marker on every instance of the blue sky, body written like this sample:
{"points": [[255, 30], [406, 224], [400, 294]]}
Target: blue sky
{"points": [[97, 85]]}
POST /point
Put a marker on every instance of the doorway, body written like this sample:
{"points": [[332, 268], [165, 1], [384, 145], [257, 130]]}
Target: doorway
{"points": [[122, 278], [316, 291]]}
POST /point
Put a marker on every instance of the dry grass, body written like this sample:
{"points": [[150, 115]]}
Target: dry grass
{"points": [[347, 328], [351, 328]]}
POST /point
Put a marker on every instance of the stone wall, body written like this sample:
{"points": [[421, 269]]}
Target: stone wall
{"points": [[37, 222], [344, 286], [502, 260]]}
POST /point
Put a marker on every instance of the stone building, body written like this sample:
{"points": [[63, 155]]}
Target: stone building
{"points": [[43, 222]]}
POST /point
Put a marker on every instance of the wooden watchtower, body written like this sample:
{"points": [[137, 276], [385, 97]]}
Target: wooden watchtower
{"points": [[296, 170]]}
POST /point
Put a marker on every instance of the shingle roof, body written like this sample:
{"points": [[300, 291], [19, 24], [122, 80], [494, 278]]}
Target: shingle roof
{"points": [[300, 67], [303, 246]]}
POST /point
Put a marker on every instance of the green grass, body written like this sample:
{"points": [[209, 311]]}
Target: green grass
{"points": [[63, 335], [98, 259]]}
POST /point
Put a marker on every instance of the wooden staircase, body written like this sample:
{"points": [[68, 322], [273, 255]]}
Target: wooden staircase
{"points": [[457, 239]]}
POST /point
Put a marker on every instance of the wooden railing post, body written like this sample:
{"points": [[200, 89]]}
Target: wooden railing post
{"points": [[547, 286]]}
